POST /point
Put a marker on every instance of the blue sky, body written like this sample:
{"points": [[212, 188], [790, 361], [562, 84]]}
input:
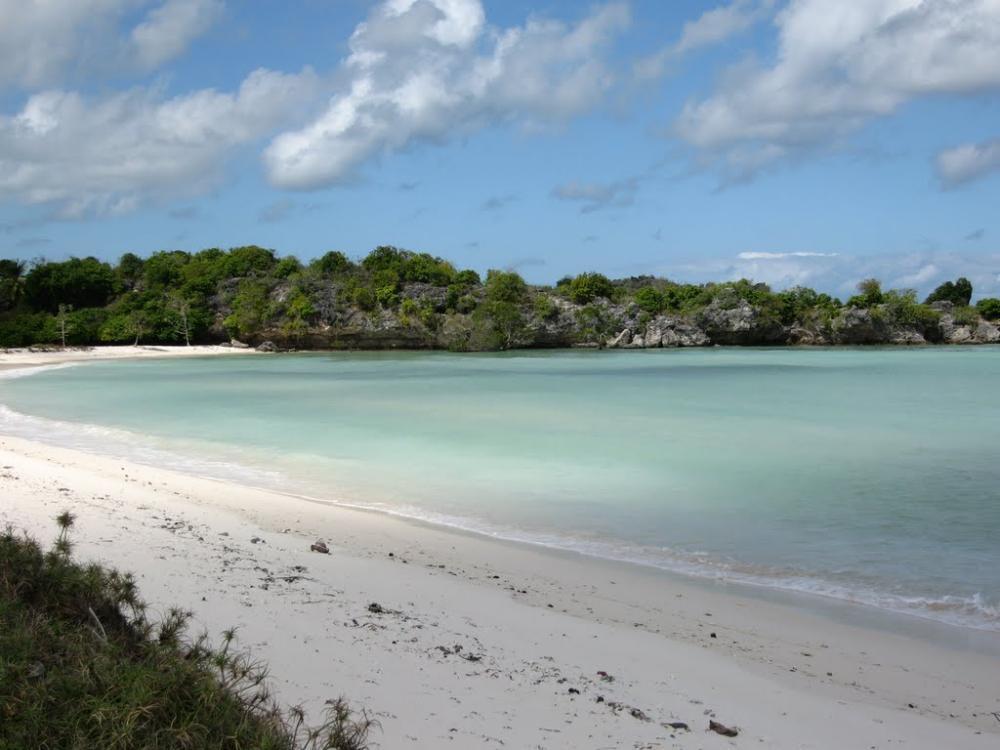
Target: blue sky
{"points": [[791, 141]]}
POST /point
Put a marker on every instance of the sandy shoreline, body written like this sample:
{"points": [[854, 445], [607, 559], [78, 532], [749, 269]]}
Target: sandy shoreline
{"points": [[538, 624]]}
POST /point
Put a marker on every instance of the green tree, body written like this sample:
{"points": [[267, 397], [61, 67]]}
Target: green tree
{"points": [[11, 283], [250, 307], [333, 264], [81, 282], [587, 287], [958, 292], [249, 260], [650, 300], [869, 294]]}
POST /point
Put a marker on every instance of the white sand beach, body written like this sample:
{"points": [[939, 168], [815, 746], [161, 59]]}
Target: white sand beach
{"points": [[481, 643]]}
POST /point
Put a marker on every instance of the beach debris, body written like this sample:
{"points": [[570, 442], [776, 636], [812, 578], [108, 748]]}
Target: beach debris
{"points": [[376, 609], [605, 676], [676, 725], [722, 729], [257, 540], [638, 713], [573, 691], [320, 547]]}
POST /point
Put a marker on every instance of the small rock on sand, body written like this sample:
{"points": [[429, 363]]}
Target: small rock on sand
{"points": [[320, 547], [722, 729]]}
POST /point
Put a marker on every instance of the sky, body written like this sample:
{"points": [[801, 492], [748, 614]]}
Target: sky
{"points": [[790, 141]]}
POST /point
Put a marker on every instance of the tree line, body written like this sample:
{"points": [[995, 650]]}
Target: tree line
{"points": [[177, 297]]}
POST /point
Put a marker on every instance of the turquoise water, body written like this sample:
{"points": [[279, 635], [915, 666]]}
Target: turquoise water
{"points": [[868, 475]]}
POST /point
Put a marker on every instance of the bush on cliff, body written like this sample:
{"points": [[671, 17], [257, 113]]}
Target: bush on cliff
{"points": [[989, 308]]}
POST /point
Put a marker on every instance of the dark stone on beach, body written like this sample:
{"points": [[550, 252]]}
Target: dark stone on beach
{"points": [[267, 346], [722, 729], [375, 608], [391, 554], [712, 635], [320, 547], [600, 699], [573, 691], [256, 540], [678, 725], [638, 713]]}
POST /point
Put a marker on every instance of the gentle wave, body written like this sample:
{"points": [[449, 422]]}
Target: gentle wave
{"points": [[969, 612], [142, 449], [966, 611], [23, 372]]}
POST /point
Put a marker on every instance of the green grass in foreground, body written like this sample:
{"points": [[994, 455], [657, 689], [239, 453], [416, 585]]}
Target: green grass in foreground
{"points": [[81, 667]]}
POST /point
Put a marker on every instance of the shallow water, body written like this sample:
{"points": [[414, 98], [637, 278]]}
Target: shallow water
{"points": [[870, 475]]}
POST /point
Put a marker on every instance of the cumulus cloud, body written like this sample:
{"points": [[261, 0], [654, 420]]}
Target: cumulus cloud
{"points": [[108, 155], [427, 69], [42, 42], [711, 27], [839, 64], [595, 196], [971, 161]]}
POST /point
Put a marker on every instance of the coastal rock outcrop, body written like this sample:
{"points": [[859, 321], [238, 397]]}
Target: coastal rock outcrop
{"points": [[669, 331], [739, 323]]}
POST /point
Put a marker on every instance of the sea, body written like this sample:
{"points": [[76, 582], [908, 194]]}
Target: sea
{"points": [[866, 475]]}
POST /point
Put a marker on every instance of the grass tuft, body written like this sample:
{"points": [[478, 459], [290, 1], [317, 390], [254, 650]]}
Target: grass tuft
{"points": [[82, 667]]}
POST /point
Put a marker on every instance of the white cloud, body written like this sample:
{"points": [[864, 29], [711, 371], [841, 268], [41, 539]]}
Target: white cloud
{"points": [[839, 64], [968, 162], [711, 27], [427, 69], [917, 278], [169, 28], [112, 154], [42, 41], [779, 256]]}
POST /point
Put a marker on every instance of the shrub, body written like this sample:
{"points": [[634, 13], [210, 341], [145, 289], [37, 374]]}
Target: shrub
{"points": [[965, 316], [287, 266], [83, 667], [989, 308], [25, 329], [587, 287], [902, 308], [650, 300]]}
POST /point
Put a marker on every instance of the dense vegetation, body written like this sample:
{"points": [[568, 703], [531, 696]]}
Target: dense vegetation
{"points": [[394, 297], [82, 667]]}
